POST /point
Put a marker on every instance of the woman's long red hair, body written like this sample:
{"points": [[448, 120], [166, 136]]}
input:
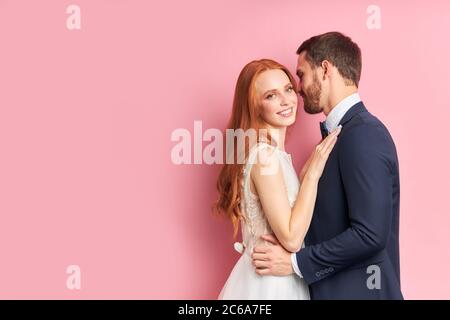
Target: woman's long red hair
{"points": [[245, 115]]}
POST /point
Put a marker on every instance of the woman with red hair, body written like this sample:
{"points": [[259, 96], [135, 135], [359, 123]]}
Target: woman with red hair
{"points": [[262, 193]]}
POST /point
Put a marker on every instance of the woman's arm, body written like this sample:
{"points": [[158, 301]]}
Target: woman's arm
{"points": [[290, 224]]}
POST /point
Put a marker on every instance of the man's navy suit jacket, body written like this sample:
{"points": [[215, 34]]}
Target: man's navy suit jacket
{"points": [[352, 246]]}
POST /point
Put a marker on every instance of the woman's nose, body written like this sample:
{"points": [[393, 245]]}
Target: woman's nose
{"points": [[284, 100]]}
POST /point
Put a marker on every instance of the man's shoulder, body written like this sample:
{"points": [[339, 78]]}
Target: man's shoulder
{"points": [[365, 124], [367, 133], [365, 118], [364, 139]]}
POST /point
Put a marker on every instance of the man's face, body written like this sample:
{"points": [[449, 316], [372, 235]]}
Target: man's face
{"points": [[310, 88]]}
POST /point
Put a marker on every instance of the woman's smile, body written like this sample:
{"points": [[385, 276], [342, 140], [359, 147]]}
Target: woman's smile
{"points": [[286, 113]]}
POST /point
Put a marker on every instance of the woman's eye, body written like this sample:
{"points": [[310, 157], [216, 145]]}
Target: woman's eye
{"points": [[290, 89], [270, 96]]}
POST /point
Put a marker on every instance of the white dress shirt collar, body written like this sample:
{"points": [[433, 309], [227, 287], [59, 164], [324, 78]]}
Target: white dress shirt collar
{"points": [[338, 112]]}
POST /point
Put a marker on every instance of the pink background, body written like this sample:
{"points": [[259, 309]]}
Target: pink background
{"points": [[86, 116]]}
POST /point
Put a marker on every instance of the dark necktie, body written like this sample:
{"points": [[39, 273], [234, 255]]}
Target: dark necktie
{"points": [[323, 130]]}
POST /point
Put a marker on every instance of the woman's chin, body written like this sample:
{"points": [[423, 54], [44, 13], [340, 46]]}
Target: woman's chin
{"points": [[287, 122], [283, 124]]}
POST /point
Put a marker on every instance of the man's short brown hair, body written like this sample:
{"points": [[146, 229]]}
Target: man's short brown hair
{"points": [[337, 48]]}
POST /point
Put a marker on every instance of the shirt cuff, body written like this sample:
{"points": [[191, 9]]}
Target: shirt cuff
{"points": [[295, 265]]}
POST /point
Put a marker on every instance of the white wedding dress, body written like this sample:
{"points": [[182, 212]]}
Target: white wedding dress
{"points": [[244, 283]]}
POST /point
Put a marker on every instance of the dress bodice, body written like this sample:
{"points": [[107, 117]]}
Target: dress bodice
{"points": [[254, 223]]}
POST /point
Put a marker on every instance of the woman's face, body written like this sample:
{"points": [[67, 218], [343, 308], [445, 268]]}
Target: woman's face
{"points": [[277, 98]]}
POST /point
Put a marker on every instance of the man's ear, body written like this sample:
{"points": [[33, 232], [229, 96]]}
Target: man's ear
{"points": [[327, 68]]}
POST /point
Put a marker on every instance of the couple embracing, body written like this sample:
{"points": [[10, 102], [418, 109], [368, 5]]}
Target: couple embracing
{"points": [[321, 233]]}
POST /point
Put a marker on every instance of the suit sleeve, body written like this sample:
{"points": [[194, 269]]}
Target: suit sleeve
{"points": [[365, 160]]}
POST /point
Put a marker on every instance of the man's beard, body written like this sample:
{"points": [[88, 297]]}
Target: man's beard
{"points": [[311, 97]]}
